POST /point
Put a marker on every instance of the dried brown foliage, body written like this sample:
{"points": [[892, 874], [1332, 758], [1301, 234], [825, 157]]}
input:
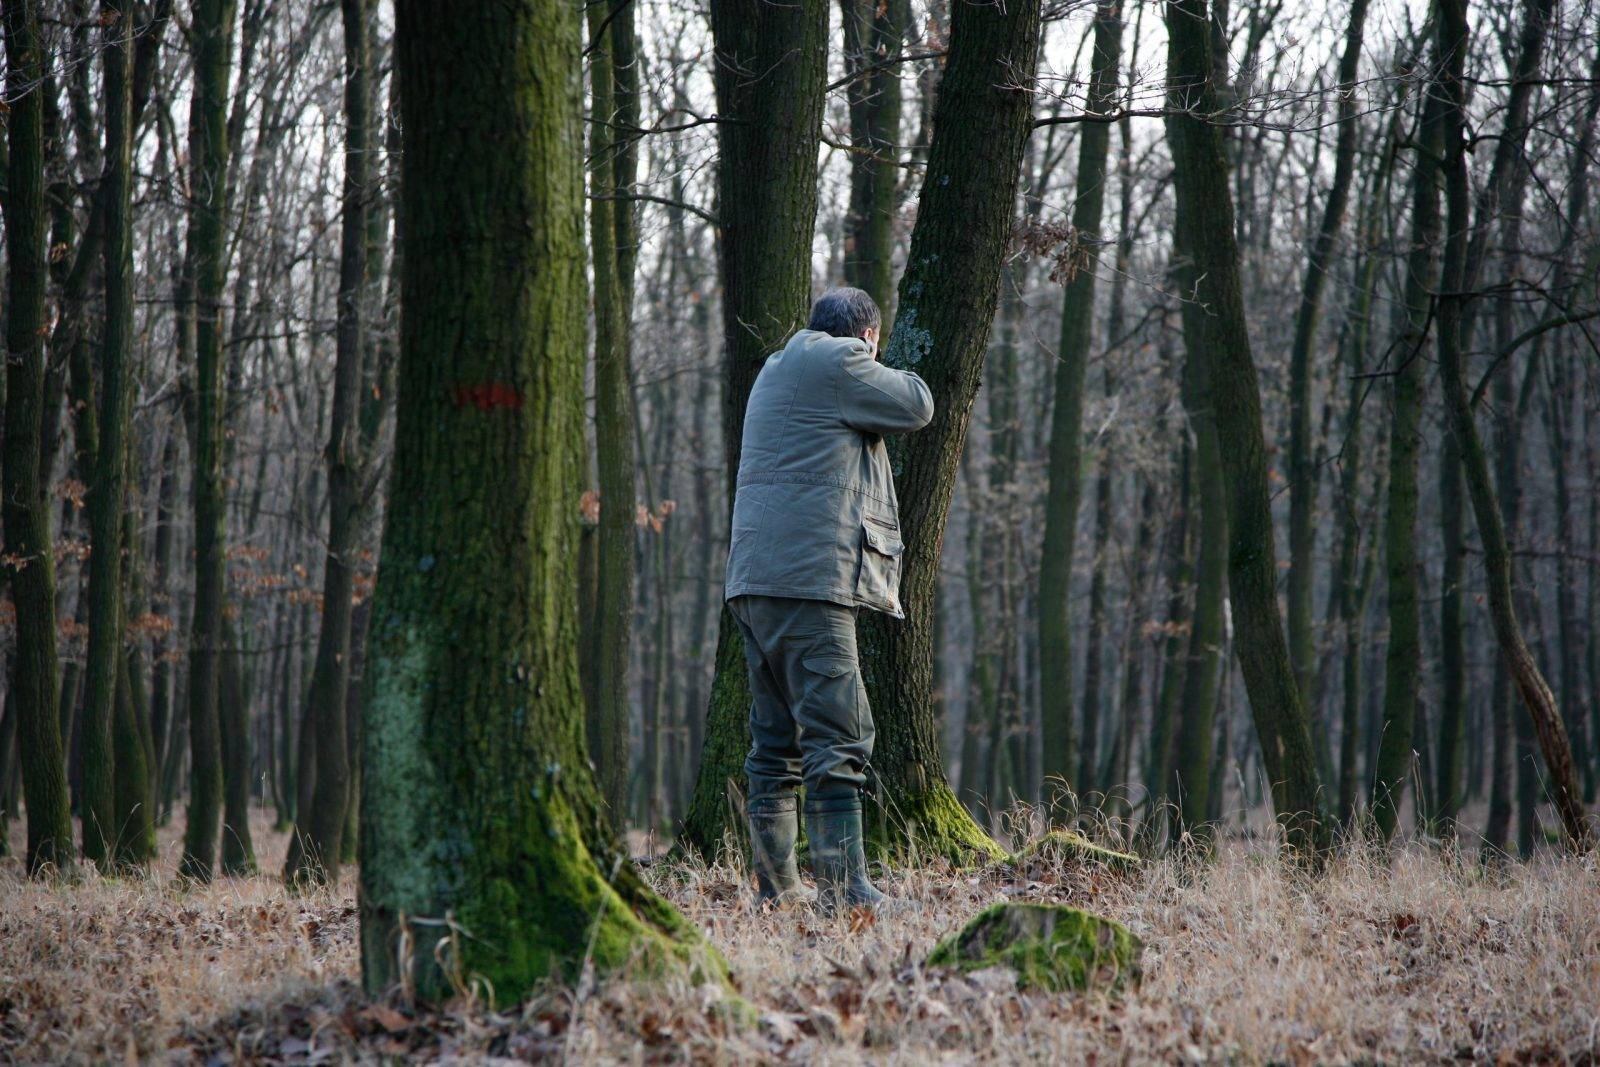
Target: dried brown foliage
{"points": [[1425, 958]]}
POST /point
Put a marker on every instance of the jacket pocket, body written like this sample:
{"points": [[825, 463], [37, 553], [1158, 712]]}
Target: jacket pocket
{"points": [[879, 581]]}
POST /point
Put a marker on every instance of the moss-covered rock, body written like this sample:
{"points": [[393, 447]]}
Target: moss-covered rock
{"points": [[1050, 948], [1063, 847]]}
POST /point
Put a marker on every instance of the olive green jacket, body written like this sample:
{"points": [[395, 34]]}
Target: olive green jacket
{"points": [[815, 515]]}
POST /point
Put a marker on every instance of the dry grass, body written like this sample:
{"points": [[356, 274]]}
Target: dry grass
{"points": [[1420, 959]]}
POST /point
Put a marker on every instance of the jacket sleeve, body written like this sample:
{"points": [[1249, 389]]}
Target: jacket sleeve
{"points": [[881, 400]]}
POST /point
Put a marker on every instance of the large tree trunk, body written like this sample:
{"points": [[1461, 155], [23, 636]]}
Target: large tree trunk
{"points": [[1205, 208], [473, 708], [766, 204], [212, 30], [874, 31], [26, 507], [1530, 684], [1065, 486], [981, 124], [1303, 479], [610, 218], [318, 842]]}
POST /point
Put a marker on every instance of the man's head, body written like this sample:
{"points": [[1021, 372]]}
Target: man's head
{"points": [[846, 312]]}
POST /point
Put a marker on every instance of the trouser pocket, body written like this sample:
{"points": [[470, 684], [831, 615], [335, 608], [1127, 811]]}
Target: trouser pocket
{"points": [[835, 724]]}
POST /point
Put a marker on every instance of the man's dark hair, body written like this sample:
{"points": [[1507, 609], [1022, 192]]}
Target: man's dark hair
{"points": [[845, 312]]}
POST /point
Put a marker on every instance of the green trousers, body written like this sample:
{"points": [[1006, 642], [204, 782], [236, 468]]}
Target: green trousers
{"points": [[809, 718]]}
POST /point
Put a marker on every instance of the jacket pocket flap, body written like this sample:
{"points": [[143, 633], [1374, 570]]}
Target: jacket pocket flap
{"points": [[885, 542], [833, 666]]}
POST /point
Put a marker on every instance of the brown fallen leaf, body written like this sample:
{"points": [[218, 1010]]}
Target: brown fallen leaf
{"points": [[387, 1017]]}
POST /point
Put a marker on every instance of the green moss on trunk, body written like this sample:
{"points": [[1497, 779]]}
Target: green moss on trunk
{"points": [[1051, 948]]}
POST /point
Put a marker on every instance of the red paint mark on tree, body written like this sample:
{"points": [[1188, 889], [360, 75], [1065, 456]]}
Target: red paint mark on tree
{"points": [[486, 396]]}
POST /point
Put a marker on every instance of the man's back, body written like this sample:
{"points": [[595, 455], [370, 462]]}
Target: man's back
{"points": [[815, 515]]}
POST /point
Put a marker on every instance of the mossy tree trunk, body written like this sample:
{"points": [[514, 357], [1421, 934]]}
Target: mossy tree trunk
{"points": [[1205, 209], [874, 32], [212, 30], [486, 859], [1064, 492], [1453, 41], [766, 206], [26, 507], [316, 847], [947, 299]]}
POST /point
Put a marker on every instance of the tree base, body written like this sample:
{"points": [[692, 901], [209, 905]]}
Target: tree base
{"points": [[931, 822]]}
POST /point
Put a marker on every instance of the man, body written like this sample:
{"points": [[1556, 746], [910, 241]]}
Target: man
{"points": [[816, 537]]}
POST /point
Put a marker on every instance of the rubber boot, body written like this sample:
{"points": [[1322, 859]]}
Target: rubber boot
{"points": [[838, 855], [774, 829]]}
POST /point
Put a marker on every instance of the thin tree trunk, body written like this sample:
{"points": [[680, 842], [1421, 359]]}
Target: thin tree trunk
{"points": [[212, 31], [1303, 479], [1065, 487], [318, 843], [1093, 651], [1402, 662], [162, 709], [101, 826], [1179, 567], [874, 31], [615, 458], [1205, 207], [238, 857], [1350, 577]]}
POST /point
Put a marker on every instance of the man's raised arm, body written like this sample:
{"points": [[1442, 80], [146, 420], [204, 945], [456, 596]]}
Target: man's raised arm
{"points": [[878, 399]]}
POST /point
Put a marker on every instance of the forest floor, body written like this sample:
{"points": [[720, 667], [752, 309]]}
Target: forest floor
{"points": [[1424, 958]]}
